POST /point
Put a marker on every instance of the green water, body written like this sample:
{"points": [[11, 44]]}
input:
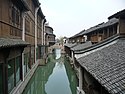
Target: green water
{"points": [[57, 77]]}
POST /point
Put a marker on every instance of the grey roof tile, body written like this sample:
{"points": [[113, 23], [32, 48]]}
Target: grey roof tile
{"points": [[5, 42], [107, 65], [70, 45], [82, 46]]}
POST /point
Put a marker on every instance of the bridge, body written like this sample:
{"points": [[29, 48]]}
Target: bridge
{"points": [[56, 46]]}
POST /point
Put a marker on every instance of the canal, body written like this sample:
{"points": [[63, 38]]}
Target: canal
{"points": [[56, 77]]}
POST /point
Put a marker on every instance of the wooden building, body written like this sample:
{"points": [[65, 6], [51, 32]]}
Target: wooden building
{"points": [[77, 38], [11, 43], [21, 39], [101, 65], [96, 33], [40, 33], [50, 36]]}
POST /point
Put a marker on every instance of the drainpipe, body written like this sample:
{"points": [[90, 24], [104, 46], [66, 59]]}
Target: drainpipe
{"points": [[72, 55], [44, 35], [80, 78], [23, 27], [23, 38], [44, 41], [36, 10], [42, 31]]}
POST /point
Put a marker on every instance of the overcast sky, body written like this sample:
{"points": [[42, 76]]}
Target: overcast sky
{"points": [[68, 17]]}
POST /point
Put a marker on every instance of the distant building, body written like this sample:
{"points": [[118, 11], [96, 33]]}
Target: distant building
{"points": [[49, 36], [65, 40], [77, 38]]}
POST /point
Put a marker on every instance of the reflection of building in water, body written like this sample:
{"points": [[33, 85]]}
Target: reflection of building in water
{"points": [[58, 53], [39, 79], [71, 76]]}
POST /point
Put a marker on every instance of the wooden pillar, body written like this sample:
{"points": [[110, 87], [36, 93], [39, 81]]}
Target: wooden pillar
{"points": [[5, 70], [72, 54], [108, 32], [22, 65], [118, 29], [36, 47]]}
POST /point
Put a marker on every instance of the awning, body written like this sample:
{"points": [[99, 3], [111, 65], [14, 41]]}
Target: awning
{"points": [[6, 42]]}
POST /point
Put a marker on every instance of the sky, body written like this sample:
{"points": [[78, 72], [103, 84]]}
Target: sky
{"points": [[69, 17]]}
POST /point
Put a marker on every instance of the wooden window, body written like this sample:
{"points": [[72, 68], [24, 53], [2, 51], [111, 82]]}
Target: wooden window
{"points": [[33, 28], [18, 68], [15, 20], [115, 29], [10, 75], [14, 72], [26, 63], [110, 31], [15, 16], [27, 25], [105, 33]]}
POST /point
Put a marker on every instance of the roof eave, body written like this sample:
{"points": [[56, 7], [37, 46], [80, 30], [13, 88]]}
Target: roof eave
{"points": [[41, 13], [21, 4], [36, 2], [120, 14]]}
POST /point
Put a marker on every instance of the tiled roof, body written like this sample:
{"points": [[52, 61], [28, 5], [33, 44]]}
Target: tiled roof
{"points": [[82, 46], [101, 25], [78, 34], [107, 66], [49, 33], [4, 42], [21, 4], [97, 27], [100, 44], [70, 45], [41, 13], [118, 14]]}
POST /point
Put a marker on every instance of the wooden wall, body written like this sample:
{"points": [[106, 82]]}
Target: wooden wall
{"points": [[122, 26]]}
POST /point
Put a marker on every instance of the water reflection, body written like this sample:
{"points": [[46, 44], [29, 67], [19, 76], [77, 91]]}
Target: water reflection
{"points": [[58, 53], [58, 82], [40, 77], [71, 76], [57, 77]]}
